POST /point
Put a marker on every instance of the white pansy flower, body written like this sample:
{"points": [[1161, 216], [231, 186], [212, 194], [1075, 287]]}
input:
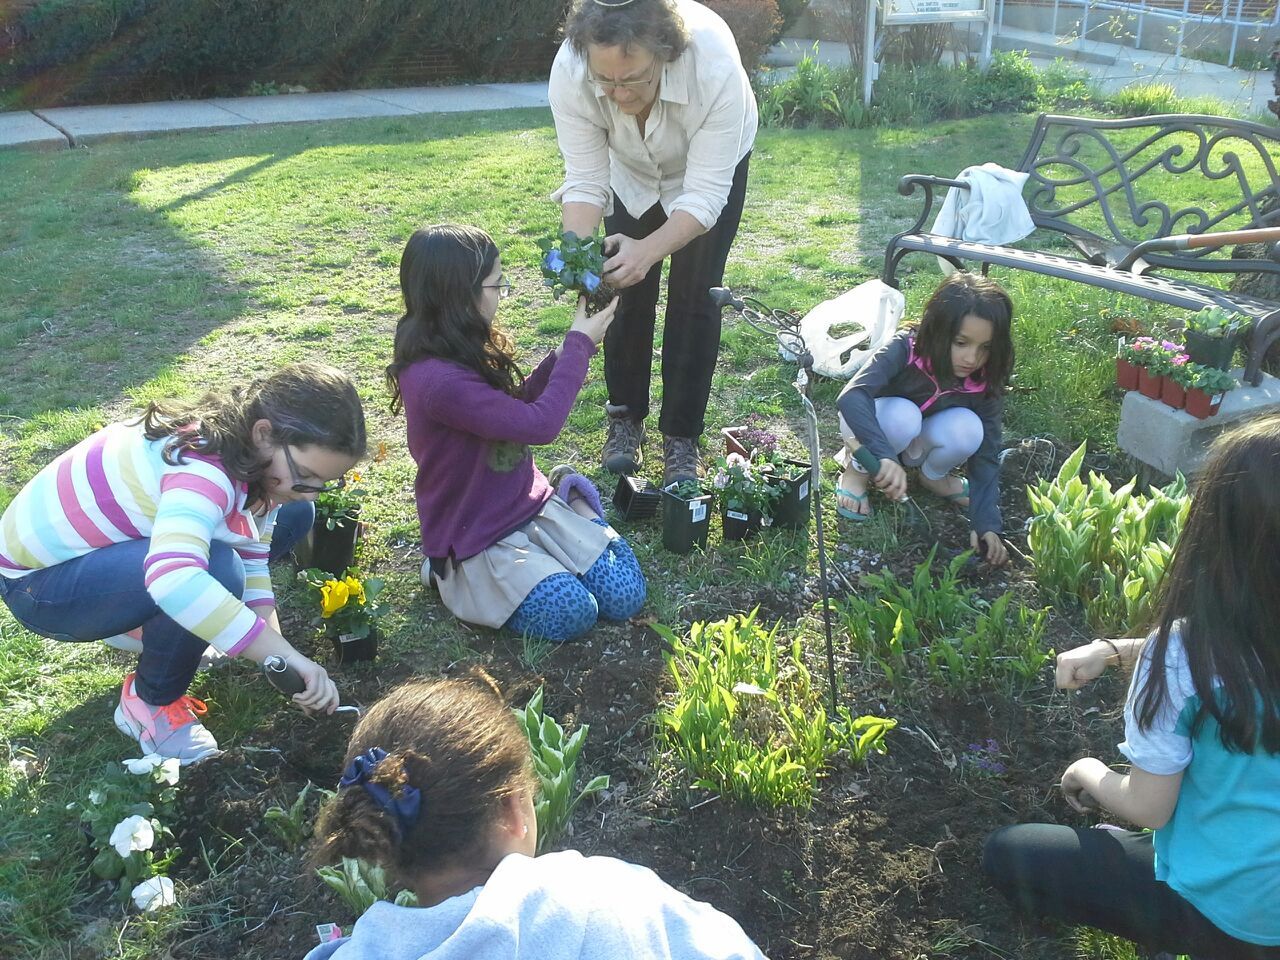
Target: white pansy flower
{"points": [[169, 771], [141, 766], [96, 797], [154, 893], [133, 834]]}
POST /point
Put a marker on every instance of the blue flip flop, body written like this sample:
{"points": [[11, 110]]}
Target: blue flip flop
{"points": [[845, 511], [961, 494]]}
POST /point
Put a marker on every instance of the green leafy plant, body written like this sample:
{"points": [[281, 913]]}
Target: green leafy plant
{"points": [[1210, 379], [292, 826], [349, 606], [1107, 548], [1217, 322], [939, 628], [746, 485], [574, 265], [341, 504], [361, 885], [686, 489], [125, 812], [555, 759], [745, 718]]}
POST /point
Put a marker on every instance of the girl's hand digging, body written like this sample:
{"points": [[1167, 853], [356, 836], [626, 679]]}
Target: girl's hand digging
{"points": [[891, 480], [321, 694], [991, 548], [594, 326]]}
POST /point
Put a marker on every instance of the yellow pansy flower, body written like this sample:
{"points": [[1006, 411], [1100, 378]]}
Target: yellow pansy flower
{"points": [[355, 589], [334, 595]]}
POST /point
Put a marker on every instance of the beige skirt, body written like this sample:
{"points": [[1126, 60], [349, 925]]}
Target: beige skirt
{"points": [[487, 588]]}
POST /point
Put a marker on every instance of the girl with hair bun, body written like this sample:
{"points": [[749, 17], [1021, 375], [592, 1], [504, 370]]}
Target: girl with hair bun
{"points": [[438, 790]]}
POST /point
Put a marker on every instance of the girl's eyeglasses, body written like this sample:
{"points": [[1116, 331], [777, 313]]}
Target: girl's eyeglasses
{"points": [[503, 288], [300, 487]]}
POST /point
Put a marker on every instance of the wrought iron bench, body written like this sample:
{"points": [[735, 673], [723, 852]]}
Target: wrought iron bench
{"points": [[1099, 185]]}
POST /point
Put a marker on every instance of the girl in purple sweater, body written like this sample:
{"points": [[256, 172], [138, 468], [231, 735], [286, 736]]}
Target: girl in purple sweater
{"points": [[501, 546]]}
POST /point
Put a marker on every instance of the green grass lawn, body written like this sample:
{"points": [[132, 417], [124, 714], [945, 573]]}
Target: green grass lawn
{"points": [[136, 270]]}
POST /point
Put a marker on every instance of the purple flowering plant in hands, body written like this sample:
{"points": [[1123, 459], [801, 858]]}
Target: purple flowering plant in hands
{"points": [[573, 264]]}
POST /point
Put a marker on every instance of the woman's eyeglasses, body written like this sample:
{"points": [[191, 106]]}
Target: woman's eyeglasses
{"points": [[300, 487], [626, 84], [503, 288]]}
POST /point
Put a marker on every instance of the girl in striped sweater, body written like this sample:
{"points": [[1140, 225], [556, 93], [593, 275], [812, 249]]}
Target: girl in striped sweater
{"points": [[162, 529]]}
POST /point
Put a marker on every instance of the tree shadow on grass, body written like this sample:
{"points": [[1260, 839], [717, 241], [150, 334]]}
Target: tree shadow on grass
{"points": [[123, 266]]}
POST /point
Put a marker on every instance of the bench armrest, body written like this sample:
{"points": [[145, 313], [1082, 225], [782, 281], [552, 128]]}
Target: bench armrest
{"points": [[1198, 241], [908, 184]]}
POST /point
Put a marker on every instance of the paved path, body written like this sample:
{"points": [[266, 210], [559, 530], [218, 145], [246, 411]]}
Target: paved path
{"points": [[62, 127], [1112, 66]]}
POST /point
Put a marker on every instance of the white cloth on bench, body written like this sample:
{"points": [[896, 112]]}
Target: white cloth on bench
{"points": [[990, 211]]}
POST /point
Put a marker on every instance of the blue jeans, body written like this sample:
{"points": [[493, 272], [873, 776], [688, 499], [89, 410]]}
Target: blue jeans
{"points": [[101, 594]]}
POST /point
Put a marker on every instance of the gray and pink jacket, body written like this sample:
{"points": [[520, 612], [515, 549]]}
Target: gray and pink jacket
{"points": [[895, 370]]}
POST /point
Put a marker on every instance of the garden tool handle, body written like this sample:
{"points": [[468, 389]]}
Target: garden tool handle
{"points": [[867, 460], [282, 676]]}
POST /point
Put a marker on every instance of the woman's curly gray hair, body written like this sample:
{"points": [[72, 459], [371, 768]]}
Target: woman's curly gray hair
{"points": [[654, 25]]}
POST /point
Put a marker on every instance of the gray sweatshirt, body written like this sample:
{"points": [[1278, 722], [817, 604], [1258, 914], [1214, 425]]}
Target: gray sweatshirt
{"points": [[561, 906]]}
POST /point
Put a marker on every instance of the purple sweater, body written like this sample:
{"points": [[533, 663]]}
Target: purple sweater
{"points": [[476, 479]]}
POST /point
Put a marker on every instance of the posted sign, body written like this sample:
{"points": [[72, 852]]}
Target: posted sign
{"points": [[933, 11]]}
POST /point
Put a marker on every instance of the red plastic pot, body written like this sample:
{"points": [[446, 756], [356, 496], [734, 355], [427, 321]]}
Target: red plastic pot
{"points": [[1148, 385], [1126, 375], [1173, 394], [1203, 405]]}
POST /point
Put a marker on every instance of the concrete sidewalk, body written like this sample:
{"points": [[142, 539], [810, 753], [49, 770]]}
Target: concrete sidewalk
{"points": [[62, 127], [1112, 66]]}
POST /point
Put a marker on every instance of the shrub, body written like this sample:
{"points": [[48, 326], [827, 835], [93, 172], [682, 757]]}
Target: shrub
{"points": [[70, 50], [1010, 83], [745, 718], [755, 25], [1144, 100]]}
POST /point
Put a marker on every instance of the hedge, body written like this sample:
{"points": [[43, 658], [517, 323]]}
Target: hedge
{"points": [[74, 51]]}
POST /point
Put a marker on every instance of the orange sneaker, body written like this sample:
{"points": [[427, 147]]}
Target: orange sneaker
{"points": [[170, 731]]}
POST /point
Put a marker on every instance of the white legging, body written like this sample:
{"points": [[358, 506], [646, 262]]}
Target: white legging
{"points": [[936, 444]]}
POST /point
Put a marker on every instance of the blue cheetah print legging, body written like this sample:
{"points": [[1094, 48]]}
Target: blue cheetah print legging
{"points": [[564, 607]]}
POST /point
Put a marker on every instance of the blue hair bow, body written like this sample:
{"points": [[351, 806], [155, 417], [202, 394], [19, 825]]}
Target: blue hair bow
{"points": [[403, 809]]}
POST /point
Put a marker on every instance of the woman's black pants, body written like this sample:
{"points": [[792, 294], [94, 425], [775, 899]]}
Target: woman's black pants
{"points": [[691, 330]]}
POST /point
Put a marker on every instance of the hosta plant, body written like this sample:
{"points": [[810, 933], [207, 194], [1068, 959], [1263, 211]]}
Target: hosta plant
{"points": [[746, 720], [936, 627], [1107, 548], [555, 759], [362, 884], [293, 825]]}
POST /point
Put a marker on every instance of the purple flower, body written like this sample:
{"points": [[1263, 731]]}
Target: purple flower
{"points": [[590, 281], [553, 261], [1180, 359]]}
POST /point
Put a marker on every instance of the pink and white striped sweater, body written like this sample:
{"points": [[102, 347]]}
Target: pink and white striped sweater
{"points": [[113, 487]]}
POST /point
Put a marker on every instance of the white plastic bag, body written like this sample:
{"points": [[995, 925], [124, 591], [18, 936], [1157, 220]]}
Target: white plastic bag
{"points": [[842, 333]]}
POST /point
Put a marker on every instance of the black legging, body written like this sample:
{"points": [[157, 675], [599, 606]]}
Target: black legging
{"points": [[1106, 879], [691, 332]]}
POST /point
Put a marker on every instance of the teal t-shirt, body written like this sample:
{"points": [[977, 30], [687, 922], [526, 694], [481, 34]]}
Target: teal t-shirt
{"points": [[1221, 848]]}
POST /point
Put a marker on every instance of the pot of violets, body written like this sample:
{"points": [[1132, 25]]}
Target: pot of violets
{"points": [[1204, 392], [349, 611], [573, 264], [1212, 334], [337, 527], [763, 449], [686, 516], [747, 495]]}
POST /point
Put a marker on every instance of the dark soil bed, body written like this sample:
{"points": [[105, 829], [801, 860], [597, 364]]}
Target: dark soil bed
{"points": [[885, 865]]}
